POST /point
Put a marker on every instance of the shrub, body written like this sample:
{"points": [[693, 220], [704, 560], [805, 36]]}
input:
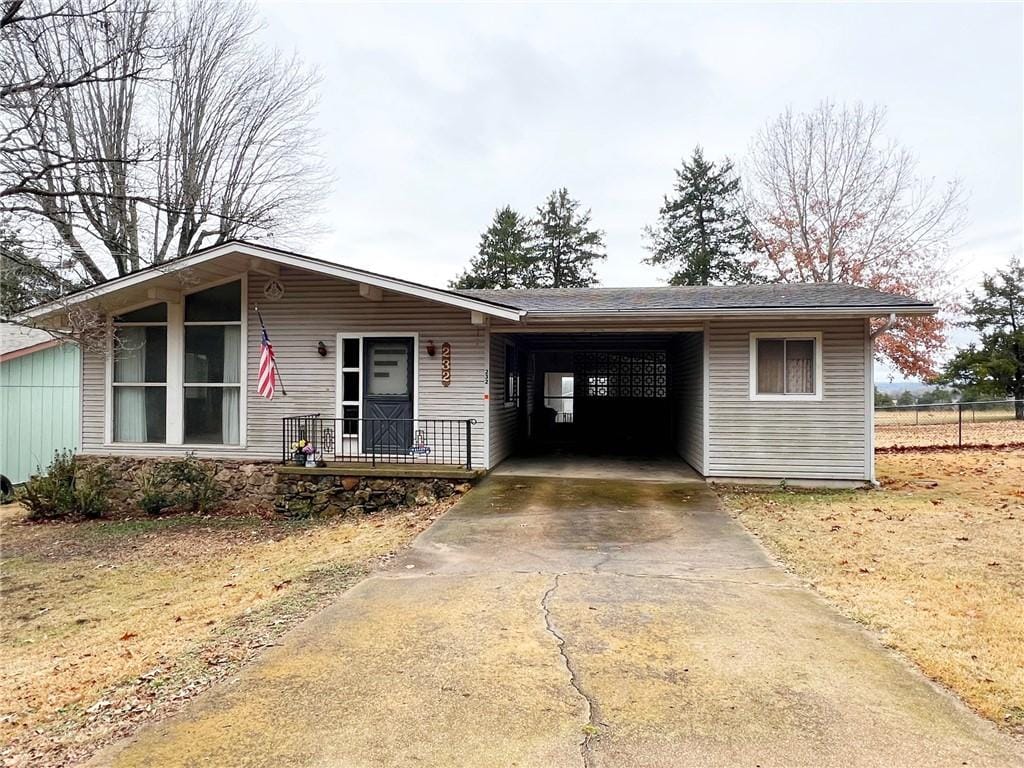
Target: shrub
{"points": [[197, 489], [153, 496], [91, 488], [51, 495], [59, 494]]}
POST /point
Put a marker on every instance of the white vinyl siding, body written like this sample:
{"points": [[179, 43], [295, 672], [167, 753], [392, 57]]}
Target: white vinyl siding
{"points": [[688, 391], [822, 439], [315, 308], [503, 417]]}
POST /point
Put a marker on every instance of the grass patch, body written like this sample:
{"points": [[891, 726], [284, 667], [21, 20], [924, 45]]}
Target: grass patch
{"points": [[109, 624], [933, 562]]}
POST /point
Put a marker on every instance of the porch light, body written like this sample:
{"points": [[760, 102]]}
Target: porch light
{"points": [[321, 349], [431, 349]]}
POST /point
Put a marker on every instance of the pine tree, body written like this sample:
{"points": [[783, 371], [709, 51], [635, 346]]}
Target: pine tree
{"points": [[702, 231], [566, 247], [503, 258], [996, 365]]}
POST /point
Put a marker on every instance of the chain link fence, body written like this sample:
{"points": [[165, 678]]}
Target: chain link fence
{"points": [[988, 423]]}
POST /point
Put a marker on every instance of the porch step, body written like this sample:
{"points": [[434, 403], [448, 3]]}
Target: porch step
{"points": [[353, 469]]}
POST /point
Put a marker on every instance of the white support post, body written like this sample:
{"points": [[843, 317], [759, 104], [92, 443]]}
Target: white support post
{"points": [[175, 373]]}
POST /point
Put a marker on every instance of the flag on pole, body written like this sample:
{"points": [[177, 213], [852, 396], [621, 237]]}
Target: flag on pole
{"points": [[269, 376], [265, 382]]}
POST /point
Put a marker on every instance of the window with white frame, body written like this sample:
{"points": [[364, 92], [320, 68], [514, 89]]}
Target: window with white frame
{"points": [[558, 395], [785, 366], [139, 376], [351, 379], [213, 365]]}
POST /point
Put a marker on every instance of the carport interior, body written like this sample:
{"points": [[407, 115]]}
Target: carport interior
{"points": [[615, 394]]}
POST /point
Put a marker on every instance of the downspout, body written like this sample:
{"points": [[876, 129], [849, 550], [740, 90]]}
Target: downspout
{"points": [[870, 372]]}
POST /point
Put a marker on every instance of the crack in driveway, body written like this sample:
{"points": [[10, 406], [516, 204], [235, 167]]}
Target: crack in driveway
{"points": [[590, 730]]}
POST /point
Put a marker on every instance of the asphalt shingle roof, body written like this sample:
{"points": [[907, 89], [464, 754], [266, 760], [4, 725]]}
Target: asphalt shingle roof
{"points": [[682, 298], [15, 337]]}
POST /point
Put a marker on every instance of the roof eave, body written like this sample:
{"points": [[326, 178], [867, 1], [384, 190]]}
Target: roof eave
{"points": [[865, 311], [14, 354]]}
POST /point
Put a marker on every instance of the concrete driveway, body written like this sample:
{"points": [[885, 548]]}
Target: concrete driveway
{"points": [[553, 621]]}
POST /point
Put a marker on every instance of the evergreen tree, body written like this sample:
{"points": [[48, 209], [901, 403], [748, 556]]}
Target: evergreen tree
{"points": [[996, 366], [934, 396], [702, 230], [882, 400], [504, 256], [566, 247], [906, 398]]}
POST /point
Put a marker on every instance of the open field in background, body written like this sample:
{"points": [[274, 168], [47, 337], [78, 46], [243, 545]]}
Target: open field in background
{"points": [[107, 624], [933, 562], [1008, 432], [982, 424]]}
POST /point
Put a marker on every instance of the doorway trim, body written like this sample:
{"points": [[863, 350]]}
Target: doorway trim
{"points": [[361, 335]]}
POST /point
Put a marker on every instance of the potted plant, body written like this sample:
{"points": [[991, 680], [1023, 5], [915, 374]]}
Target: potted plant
{"points": [[309, 452], [299, 454]]}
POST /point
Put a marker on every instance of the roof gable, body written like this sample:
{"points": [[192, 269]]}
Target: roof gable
{"points": [[265, 254]]}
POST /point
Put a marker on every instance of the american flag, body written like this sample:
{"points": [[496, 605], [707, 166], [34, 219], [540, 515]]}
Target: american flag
{"points": [[265, 383]]}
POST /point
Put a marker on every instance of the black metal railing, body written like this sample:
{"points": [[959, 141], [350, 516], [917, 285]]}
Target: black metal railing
{"points": [[377, 441], [562, 405]]}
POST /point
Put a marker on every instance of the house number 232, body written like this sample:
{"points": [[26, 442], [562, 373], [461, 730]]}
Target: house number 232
{"points": [[446, 364]]}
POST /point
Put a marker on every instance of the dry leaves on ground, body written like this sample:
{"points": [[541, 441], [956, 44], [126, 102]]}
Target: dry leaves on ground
{"points": [[108, 624], [933, 561]]}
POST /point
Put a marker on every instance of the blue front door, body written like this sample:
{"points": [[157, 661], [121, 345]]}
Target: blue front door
{"points": [[388, 389]]}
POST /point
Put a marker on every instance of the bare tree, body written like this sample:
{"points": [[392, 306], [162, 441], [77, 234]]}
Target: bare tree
{"points": [[235, 155], [184, 133], [832, 201], [53, 56]]}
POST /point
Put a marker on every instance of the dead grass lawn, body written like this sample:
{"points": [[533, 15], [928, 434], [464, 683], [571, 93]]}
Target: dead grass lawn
{"points": [[934, 562], [107, 624]]}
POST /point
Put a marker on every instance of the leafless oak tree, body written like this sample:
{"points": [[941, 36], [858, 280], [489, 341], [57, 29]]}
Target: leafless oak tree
{"points": [[831, 200], [135, 133]]}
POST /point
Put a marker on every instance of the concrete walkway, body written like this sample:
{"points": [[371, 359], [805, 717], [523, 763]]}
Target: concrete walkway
{"points": [[556, 622]]}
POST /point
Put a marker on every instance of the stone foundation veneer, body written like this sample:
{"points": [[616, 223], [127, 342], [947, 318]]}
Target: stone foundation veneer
{"points": [[259, 486], [300, 495]]}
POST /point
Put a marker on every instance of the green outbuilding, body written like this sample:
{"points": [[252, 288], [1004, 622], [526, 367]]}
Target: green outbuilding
{"points": [[39, 400]]}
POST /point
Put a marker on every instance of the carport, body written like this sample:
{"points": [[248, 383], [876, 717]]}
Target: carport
{"points": [[597, 394]]}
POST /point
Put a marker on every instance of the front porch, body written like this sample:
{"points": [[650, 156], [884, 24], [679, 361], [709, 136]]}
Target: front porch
{"points": [[377, 447]]}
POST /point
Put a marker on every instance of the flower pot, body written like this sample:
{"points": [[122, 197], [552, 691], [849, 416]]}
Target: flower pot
{"points": [[299, 459], [310, 460]]}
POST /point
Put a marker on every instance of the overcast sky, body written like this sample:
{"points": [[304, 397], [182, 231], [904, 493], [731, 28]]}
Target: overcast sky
{"points": [[434, 115]]}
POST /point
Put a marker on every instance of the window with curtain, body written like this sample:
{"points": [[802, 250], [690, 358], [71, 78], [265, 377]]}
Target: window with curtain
{"points": [[786, 366], [213, 365], [139, 381]]}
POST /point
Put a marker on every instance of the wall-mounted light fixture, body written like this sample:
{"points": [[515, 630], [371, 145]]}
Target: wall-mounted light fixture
{"points": [[321, 349], [430, 347]]}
